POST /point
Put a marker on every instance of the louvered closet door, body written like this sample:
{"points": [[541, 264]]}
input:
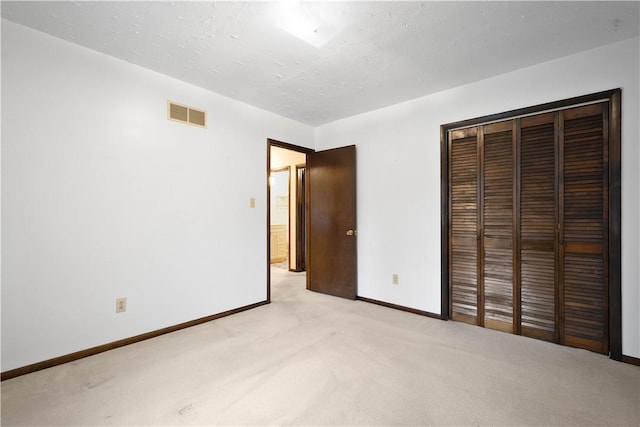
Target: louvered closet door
{"points": [[496, 281], [463, 225], [528, 226], [538, 220], [583, 205]]}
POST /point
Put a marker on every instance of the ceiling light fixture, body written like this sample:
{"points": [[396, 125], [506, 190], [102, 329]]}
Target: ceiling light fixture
{"points": [[308, 22]]}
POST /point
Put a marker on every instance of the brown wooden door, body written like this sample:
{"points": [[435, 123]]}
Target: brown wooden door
{"points": [[331, 257], [497, 202], [538, 230], [463, 225], [584, 234], [482, 225]]}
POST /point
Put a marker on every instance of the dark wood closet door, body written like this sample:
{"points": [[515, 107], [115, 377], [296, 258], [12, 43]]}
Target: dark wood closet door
{"points": [[496, 199], [538, 227], [531, 244], [583, 227], [463, 229], [528, 226]]}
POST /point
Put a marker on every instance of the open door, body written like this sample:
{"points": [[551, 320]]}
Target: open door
{"points": [[331, 255]]}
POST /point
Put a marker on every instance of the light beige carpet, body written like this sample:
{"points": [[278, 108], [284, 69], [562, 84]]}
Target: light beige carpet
{"points": [[311, 359]]}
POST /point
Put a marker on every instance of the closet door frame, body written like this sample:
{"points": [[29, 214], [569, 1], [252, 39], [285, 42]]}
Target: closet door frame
{"points": [[613, 97]]}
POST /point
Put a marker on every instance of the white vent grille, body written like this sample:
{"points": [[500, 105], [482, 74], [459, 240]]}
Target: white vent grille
{"points": [[185, 114]]}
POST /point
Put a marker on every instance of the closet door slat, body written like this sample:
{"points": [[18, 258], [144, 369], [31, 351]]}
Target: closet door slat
{"points": [[584, 240], [538, 227], [463, 226], [497, 238]]}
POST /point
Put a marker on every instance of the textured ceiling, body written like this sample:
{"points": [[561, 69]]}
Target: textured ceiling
{"points": [[370, 54]]}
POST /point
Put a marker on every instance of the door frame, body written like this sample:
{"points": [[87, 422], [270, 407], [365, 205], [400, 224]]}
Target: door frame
{"points": [[301, 218], [275, 143], [613, 97], [278, 170]]}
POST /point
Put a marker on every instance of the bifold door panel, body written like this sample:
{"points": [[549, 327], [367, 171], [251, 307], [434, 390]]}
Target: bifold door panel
{"points": [[538, 227]]}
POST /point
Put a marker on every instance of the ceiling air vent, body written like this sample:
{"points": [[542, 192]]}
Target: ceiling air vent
{"points": [[184, 114]]}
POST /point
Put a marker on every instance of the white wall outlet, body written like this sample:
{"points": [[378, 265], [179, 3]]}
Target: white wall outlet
{"points": [[252, 202], [121, 305], [394, 279]]}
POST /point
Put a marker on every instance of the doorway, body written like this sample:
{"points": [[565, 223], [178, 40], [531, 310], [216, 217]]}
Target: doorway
{"points": [[326, 181], [280, 184], [287, 229]]}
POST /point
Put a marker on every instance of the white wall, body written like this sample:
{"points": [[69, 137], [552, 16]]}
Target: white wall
{"points": [[398, 155], [103, 197]]}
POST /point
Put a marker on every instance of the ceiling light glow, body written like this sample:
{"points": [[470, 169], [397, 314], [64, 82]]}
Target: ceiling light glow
{"points": [[305, 21]]}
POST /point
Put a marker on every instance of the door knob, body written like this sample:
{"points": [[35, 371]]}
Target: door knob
{"points": [[351, 232]]}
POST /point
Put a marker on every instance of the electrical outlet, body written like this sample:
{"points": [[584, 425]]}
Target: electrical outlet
{"points": [[121, 305], [394, 279], [252, 202]]}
